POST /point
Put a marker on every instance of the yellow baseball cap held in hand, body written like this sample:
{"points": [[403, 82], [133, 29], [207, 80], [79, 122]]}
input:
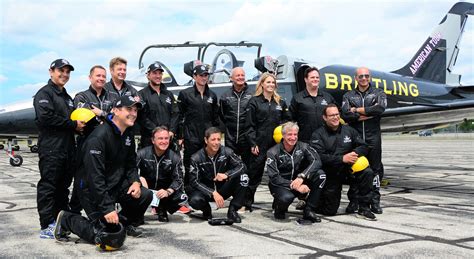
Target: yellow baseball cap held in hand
{"points": [[82, 114], [277, 134], [360, 164]]}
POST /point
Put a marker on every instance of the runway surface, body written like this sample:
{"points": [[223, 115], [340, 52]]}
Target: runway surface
{"points": [[428, 212]]}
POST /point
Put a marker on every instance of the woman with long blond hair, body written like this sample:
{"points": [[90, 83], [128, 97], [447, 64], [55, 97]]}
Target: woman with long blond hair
{"points": [[265, 111]]}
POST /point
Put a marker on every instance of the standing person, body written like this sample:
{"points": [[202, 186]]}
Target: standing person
{"points": [[97, 99], [294, 169], [161, 170], [265, 111], [339, 147], [160, 108], [108, 175], [307, 106], [362, 108], [233, 113], [53, 107], [216, 174], [198, 110], [117, 85]]}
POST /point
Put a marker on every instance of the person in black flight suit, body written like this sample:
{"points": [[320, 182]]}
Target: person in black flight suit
{"points": [[294, 169], [307, 106], [117, 85], [217, 173], [53, 107], [339, 146], [107, 175], [265, 111], [233, 112], [362, 108], [161, 170], [198, 110], [160, 107]]}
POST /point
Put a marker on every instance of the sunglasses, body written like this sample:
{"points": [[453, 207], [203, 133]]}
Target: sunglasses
{"points": [[362, 76]]}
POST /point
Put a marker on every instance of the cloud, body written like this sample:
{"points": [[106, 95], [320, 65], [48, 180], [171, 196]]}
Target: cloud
{"points": [[3, 78]]}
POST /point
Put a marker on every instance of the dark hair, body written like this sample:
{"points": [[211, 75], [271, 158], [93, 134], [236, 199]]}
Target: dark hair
{"points": [[158, 129], [96, 66], [211, 131], [331, 105], [309, 70]]}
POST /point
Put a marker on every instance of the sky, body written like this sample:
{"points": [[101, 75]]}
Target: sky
{"points": [[382, 35]]}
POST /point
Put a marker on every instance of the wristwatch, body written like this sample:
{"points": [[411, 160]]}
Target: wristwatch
{"points": [[301, 175]]}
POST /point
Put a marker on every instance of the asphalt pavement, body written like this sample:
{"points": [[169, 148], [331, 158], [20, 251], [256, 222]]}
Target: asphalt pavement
{"points": [[428, 212]]}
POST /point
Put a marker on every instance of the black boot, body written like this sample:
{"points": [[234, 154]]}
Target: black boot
{"points": [[310, 215], [375, 207], [233, 215], [162, 215], [352, 207], [206, 212]]}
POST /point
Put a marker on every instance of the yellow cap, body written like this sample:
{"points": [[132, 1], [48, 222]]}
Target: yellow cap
{"points": [[360, 164], [82, 114], [277, 134]]}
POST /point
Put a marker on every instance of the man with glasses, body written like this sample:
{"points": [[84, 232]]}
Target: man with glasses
{"points": [[198, 110], [339, 147], [362, 108]]}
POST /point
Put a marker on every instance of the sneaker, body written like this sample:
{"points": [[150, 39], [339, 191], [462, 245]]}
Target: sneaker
{"points": [[352, 207], [375, 208], [366, 214], [60, 234], [301, 205], [133, 231], [184, 210], [48, 233]]}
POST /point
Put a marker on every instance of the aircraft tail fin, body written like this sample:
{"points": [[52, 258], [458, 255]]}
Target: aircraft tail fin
{"points": [[437, 56]]}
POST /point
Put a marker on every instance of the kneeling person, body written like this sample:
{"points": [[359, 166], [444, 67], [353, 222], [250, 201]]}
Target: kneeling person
{"points": [[107, 175], [161, 170], [339, 146], [294, 169], [216, 173]]}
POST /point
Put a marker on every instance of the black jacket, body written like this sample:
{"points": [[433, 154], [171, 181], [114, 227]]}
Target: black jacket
{"points": [[307, 111], [160, 172], [262, 119], [204, 168], [233, 112], [126, 90], [197, 113], [283, 167], [108, 165], [87, 98], [333, 145], [53, 108], [158, 110], [374, 100]]}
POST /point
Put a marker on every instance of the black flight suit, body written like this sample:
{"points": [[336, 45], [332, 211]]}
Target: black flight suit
{"points": [[107, 170], [53, 108], [233, 113], [307, 111], [262, 119], [283, 167], [163, 172], [331, 147], [375, 101], [126, 90], [87, 99], [159, 109], [203, 171], [196, 114]]}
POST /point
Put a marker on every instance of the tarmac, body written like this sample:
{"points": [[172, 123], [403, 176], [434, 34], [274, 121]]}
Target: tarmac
{"points": [[427, 212]]}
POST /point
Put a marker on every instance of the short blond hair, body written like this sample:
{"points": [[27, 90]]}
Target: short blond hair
{"points": [[117, 61]]}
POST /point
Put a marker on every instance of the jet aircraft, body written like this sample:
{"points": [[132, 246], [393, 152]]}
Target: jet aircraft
{"points": [[422, 94]]}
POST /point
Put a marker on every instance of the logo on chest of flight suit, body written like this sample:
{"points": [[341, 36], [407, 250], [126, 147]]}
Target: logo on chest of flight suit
{"points": [[168, 100], [210, 100], [70, 103], [347, 139], [324, 102], [278, 108], [128, 141]]}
